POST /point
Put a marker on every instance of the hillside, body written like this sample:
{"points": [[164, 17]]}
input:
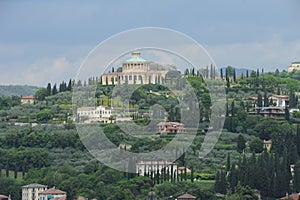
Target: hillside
{"points": [[17, 90]]}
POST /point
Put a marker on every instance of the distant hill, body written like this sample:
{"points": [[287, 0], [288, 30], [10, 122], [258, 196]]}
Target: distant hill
{"points": [[17, 90]]}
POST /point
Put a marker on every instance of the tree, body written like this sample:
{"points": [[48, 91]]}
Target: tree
{"points": [[54, 90], [41, 94], [44, 115], [187, 72], [266, 100], [233, 177], [221, 73], [49, 89], [234, 75], [228, 163], [296, 181], [241, 143], [69, 87], [259, 100], [256, 145], [220, 182]]}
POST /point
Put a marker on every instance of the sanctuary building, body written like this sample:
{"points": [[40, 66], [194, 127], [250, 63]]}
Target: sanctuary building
{"points": [[136, 70]]}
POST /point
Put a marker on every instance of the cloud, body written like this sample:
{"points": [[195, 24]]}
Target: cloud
{"points": [[40, 72], [270, 54]]}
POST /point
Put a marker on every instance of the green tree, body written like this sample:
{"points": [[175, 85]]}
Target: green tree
{"points": [[256, 145], [41, 94], [44, 115], [54, 90], [49, 89], [241, 143], [259, 100]]}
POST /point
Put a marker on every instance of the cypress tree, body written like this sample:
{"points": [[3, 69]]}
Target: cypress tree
{"points": [[192, 174], [69, 88], [266, 100], [228, 162], [233, 177], [241, 143], [259, 100], [234, 75], [296, 180], [54, 90], [221, 73], [49, 89]]}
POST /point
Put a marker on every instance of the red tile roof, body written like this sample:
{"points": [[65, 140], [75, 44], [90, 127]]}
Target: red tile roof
{"points": [[3, 196], [186, 196], [292, 196], [29, 97], [52, 191]]}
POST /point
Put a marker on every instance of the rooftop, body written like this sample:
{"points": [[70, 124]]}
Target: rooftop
{"points": [[29, 97], [52, 191], [35, 185], [136, 57], [186, 196]]}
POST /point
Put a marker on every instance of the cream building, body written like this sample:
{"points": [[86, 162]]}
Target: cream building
{"points": [[294, 66], [90, 114], [136, 70], [144, 167], [31, 191], [28, 100]]}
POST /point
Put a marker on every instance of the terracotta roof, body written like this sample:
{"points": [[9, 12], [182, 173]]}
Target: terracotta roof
{"points": [[35, 185], [292, 196], [170, 123], [186, 196], [60, 198], [52, 191], [29, 97], [279, 96], [3, 196]]}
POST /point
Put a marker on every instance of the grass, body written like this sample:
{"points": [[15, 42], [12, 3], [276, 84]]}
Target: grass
{"points": [[207, 184]]}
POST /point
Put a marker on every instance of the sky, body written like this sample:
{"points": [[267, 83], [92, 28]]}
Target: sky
{"points": [[46, 41]]}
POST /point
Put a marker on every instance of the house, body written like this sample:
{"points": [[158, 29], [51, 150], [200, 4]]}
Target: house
{"points": [[267, 145], [170, 127], [269, 112], [294, 66], [145, 167], [274, 101], [94, 114], [28, 100], [186, 197], [279, 100], [182, 170], [53, 194], [31, 191], [294, 196]]}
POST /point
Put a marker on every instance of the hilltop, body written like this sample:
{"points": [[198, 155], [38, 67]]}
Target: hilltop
{"points": [[17, 90]]}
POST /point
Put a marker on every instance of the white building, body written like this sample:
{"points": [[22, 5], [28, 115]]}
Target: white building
{"points": [[52, 194], [145, 167], [31, 191], [294, 66], [136, 70], [92, 114], [278, 100]]}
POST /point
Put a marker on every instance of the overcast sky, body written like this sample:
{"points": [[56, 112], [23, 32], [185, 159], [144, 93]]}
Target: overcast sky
{"points": [[46, 41]]}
